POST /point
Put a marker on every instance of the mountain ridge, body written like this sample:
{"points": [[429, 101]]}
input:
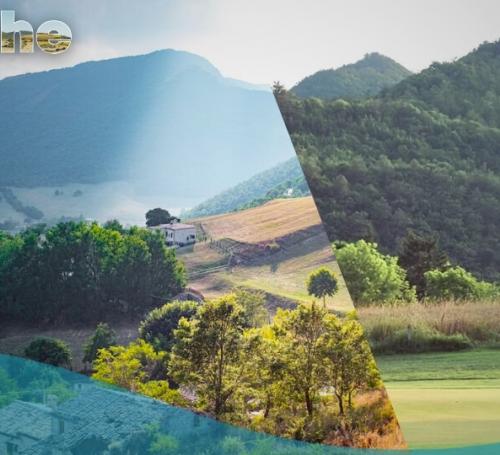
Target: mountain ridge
{"points": [[363, 78], [136, 118]]}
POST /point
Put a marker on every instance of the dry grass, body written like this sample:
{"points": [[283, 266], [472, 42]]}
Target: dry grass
{"points": [[478, 320], [14, 339], [265, 223]]}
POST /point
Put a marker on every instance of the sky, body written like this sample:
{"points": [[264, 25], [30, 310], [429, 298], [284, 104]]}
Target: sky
{"points": [[261, 41]]}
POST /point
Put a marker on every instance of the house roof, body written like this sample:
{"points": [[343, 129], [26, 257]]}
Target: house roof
{"points": [[29, 419]]}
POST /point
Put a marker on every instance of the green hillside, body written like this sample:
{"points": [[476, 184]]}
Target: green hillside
{"points": [[468, 88], [364, 78], [265, 186], [413, 158]]}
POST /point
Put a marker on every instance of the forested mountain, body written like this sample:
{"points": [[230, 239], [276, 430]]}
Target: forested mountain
{"points": [[410, 160], [159, 118], [468, 88], [364, 78], [267, 185]]}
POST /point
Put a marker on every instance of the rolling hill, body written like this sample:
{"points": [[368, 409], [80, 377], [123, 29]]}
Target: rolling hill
{"points": [[271, 248], [265, 186], [367, 77]]}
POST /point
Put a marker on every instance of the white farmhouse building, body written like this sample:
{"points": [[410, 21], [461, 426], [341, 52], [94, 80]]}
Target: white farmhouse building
{"points": [[178, 234]]}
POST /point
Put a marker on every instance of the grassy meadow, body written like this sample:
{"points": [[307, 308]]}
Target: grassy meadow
{"points": [[445, 399], [442, 399]]}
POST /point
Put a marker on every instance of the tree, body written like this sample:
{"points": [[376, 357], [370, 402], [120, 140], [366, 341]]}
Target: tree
{"points": [[159, 326], [253, 304], [103, 337], [322, 283], [114, 225], [206, 357], [50, 274], [130, 366], [456, 283], [299, 332], [139, 368], [155, 217], [349, 363], [372, 277], [49, 350], [418, 255]]}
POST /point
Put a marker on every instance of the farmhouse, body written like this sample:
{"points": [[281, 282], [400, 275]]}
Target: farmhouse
{"points": [[178, 234]]}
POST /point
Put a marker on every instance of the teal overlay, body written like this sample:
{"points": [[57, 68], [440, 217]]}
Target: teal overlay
{"points": [[52, 411]]}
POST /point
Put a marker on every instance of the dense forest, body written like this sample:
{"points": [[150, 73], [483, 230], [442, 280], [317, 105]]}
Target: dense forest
{"points": [[367, 77], [263, 187], [50, 274], [423, 156]]}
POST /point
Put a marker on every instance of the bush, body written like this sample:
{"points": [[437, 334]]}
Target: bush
{"points": [[48, 350], [372, 277], [406, 341], [103, 337], [158, 327], [457, 284]]}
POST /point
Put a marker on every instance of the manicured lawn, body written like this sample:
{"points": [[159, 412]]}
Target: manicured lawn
{"points": [[445, 400]]}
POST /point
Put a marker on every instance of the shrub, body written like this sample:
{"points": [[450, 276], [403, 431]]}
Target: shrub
{"points": [[372, 277], [405, 341], [159, 325], [457, 284], [103, 337], [48, 350]]}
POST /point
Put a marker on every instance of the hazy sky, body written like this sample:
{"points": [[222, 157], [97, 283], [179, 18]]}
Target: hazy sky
{"points": [[263, 40]]}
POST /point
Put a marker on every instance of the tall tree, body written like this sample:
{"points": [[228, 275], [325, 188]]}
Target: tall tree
{"points": [[207, 354], [349, 364], [300, 332], [419, 254]]}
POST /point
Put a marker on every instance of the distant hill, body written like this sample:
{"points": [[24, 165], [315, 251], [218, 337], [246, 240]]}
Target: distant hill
{"points": [[423, 155], [168, 120], [367, 77], [271, 184]]}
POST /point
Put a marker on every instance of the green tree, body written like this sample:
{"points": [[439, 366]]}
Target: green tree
{"points": [[103, 337], [419, 254], [49, 350], [207, 354], [155, 217], [348, 361], [130, 366], [456, 283], [322, 283], [253, 304], [159, 325], [299, 332], [372, 277], [139, 368]]}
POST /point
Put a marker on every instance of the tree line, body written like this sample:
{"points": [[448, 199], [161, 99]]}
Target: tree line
{"points": [[77, 271]]}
